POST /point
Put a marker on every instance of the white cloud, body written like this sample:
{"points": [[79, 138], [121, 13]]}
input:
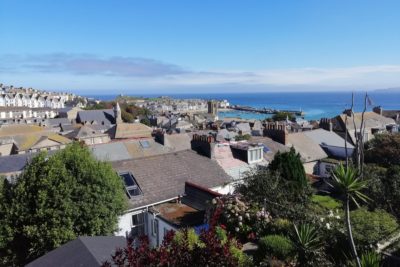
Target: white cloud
{"points": [[126, 73]]}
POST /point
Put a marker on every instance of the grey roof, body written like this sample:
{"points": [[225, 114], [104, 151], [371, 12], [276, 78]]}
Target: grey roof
{"points": [[224, 134], [67, 128], [244, 127], [324, 137], [177, 142], [58, 121], [308, 149], [273, 147], [99, 116], [85, 251], [14, 163], [163, 177], [110, 152], [84, 132]]}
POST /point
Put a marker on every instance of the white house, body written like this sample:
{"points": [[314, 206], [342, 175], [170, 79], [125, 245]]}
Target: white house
{"points": [[155, 185]]}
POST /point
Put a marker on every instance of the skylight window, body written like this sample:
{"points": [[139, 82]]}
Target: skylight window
{"points": [[131, 186], [144, 143]]}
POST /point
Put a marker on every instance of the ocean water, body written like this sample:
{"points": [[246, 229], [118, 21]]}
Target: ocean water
{"points": [[316, 105]]}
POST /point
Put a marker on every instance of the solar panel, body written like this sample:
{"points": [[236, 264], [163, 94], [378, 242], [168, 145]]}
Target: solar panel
{"points": [[131, 186], [265, 149], [144, 143]]}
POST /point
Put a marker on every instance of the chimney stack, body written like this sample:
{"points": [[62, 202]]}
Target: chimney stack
{"points": [[378, 110]]}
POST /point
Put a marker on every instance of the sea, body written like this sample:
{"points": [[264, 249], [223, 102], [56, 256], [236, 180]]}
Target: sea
{"points": [[315, 105]]}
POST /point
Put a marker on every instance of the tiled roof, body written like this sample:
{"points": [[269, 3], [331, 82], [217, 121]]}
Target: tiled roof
{"points": [[321, 136], [84, 132], [177, 142], [14, 163], [131, 130], [163, 177], [110, 152], [273, 146], [145, 147], [83, 251], [11, 130], [105, 116], [371, 120], [308, 149]]}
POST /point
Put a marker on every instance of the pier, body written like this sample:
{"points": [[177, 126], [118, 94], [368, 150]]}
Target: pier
{"points": [[266, 110]]}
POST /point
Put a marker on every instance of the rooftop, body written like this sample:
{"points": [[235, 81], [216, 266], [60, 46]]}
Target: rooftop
{"points": [[308, 149], [83, 251], [163, 177], [179, 214]]}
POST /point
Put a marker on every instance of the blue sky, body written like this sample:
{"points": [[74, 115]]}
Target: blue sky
{"points": [[200, 46]]}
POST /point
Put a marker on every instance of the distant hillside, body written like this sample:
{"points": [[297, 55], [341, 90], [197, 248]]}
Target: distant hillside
{"points": [[389, 90]]}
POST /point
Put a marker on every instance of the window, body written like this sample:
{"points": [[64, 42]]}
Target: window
{"points": [[144, 143], [328, 169], [165, 231], [131, 186], [154, 227], [138, 225]]}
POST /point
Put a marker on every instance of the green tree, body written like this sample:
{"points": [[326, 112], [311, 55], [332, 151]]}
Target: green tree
{"points": [[384, 150], [384, 188], [281, 198], [283, 187], [350, 186], [126, 116], [290, 167], [282, 116], [58, 198]]}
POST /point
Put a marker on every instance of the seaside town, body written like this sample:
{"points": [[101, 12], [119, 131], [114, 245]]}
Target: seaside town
{"points": [[199, 133], [181, 168]]}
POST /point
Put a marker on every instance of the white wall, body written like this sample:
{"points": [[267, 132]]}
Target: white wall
{"points": [[224, 189], [125, 223], [310, 167], [163, 227]]}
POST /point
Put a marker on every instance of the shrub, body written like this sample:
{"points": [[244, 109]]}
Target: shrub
{"points": [[369, 227], [238, 217], [242, 137], [277, 246]]}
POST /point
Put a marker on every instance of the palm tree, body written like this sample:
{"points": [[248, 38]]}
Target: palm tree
{"points": [[347, 182], [307, 241]]}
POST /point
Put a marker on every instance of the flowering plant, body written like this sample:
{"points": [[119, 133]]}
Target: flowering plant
{"points": [[238, 217]]}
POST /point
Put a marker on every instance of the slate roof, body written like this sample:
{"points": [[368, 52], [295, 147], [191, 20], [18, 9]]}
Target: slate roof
{"points": [[14, 163], [85, 251], [130, 130], [163, 177], [110, 152], [58, 121], [321, 136], [177, 142], [273, 146], [244, 127], [105, 116], [371, 120], [84, 132], [224, 134], [145, 147], [308, 149]]}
